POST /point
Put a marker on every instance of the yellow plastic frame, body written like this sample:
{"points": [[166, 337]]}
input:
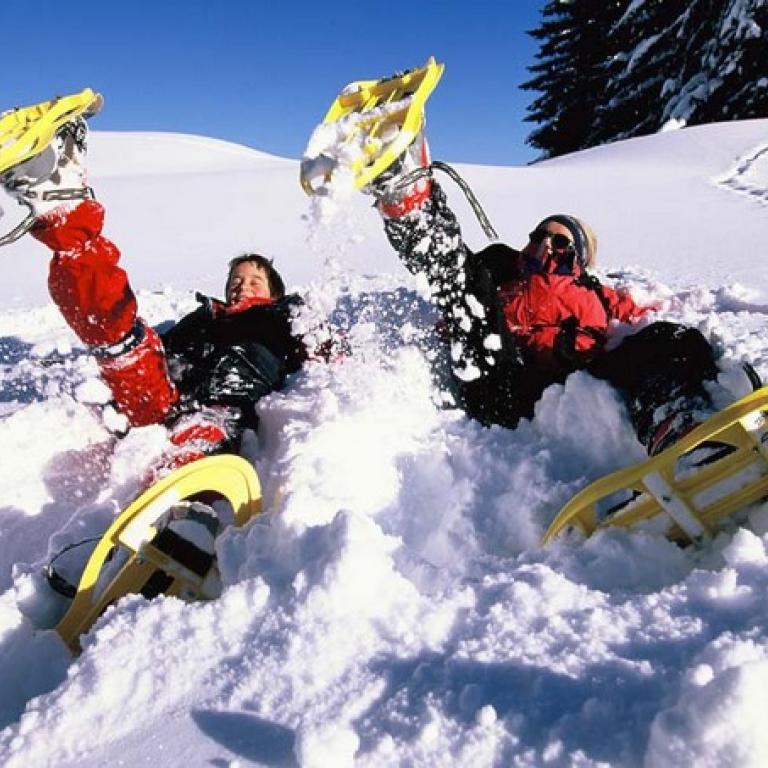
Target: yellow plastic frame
{"points": [[690, 513], [25, 131], [363, 97], [229, 476]]}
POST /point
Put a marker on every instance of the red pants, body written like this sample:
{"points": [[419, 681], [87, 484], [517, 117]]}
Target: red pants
{"points": [[95, 297]]}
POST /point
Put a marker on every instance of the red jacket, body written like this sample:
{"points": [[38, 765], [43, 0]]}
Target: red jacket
{"points": [[556, 308]]}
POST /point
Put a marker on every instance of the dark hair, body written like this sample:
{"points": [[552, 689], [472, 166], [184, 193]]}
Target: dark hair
{"points": [[275, 282]]}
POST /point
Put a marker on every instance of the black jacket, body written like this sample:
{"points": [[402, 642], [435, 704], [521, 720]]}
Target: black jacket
{"points": [[217, 357]]}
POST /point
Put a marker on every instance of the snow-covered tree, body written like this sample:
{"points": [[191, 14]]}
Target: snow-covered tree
{"points": [[569, 74], [728, 78], [625, 68], [650, 44]]}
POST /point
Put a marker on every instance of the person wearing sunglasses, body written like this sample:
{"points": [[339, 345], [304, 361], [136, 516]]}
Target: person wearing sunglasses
{"points": [[518, 321]]}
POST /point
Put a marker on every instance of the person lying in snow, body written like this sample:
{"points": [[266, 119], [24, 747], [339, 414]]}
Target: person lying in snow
{"points": [[201, 378], [518, 321]]}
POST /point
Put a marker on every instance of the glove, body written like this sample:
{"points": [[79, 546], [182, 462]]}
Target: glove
{"points": [[565, 350]]}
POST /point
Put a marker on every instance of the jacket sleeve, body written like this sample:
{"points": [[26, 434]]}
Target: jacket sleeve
{"points": [[94, 295], [189, 334], [583, 334], [619, 305], [571, 346]]}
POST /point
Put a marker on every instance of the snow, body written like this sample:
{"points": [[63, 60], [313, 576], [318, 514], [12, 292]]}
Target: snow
{"points": [[393, 606], [639, 52]]}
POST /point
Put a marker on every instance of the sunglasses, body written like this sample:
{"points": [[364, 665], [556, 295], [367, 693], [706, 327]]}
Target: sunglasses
{"points": [[559, 242]]}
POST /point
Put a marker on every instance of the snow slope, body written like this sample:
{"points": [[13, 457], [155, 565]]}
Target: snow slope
{"points": [[392, 607]]}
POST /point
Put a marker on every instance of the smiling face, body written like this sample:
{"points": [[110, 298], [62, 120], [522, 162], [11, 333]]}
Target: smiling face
{"points": [[248, 280]]}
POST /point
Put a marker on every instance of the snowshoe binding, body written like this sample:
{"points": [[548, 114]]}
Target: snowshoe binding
{"points": [[688, 490], [42, 150], [162, 543], [373, 136]]}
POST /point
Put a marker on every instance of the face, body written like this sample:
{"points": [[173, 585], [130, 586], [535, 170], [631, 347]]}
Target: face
{"points": [[247, 281], [544, 249]]}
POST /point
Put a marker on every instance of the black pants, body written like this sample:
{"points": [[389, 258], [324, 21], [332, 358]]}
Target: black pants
{"points": [[663, 364]]}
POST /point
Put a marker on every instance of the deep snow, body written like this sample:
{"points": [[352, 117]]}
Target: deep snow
{"points": [[393, 606]]}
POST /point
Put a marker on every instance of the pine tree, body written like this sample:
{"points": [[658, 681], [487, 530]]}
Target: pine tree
{"points": [[695, 30], [569, 74], [728, 79], [624, 68], [644, 60]]}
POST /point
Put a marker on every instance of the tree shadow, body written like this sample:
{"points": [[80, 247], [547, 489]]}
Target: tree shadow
{"points": [[249, 737], [26, 378], [73, 479], [33, 662], [388, 312], [25, 538], [13, 350], [606, 711], [78, 475]]}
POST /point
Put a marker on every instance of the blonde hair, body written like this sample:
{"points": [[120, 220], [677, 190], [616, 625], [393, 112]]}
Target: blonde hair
{"points": [[590, 257]]}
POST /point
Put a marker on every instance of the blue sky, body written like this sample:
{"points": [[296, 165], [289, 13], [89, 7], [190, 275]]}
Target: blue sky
{"points": [[263, 73]]}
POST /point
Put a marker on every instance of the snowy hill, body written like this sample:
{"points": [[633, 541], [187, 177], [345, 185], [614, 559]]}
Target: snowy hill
{"points": [[393, 606]]}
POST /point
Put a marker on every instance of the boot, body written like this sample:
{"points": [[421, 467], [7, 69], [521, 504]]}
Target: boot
{"points": [[406, 184], [52, 181]]}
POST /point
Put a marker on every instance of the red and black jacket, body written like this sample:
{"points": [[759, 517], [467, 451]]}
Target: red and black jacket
{"points": [[502, 312], [233, 355], [556, 313]]}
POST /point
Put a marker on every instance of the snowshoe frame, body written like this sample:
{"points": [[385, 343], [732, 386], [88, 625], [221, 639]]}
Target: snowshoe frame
{"points": [[374, 109], [27, 131], [689, 506], [226, 476]]}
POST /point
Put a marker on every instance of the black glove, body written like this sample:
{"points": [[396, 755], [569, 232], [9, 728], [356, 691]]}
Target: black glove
{"points": [[564, 348]]}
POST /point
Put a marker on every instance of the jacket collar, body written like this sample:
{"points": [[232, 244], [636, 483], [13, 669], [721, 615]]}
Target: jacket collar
{"points": [[218, 308], [564, 264]]}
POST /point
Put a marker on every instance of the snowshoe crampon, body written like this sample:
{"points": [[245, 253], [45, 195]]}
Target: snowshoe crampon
{"points": [[27, 131], [145, 550], [677, 493], [374, 122]]}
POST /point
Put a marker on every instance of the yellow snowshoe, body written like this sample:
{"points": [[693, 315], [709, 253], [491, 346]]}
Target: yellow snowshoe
{"points": [[672, 492], [27, 131], [145, 550], [375, 121]]}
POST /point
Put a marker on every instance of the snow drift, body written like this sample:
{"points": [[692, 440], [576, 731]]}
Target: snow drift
{"points": [[392, 606]]}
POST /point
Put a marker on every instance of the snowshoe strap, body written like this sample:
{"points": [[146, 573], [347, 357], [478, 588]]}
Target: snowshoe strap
{"points": [[21, 229], [752, 375], [183, 551], [56, 581], [474, 203], [130, 341]]}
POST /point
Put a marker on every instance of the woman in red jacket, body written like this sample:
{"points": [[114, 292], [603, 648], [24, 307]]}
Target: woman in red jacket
{"points": [[518, 321]]}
